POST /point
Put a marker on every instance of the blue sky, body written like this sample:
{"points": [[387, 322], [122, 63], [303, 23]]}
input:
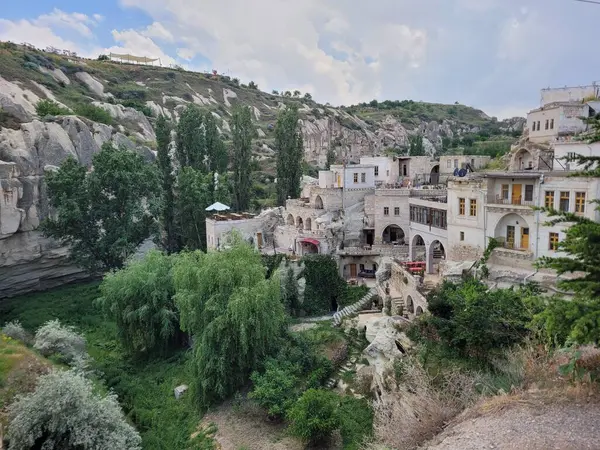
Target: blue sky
{"points": [[492, 54]]}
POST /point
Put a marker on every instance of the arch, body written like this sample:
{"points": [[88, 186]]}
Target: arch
{"points": [[318, 202], [289, 220], [418, 248], [434, 176], [419, 311], [299, 223], [513, 232], [436, 253], [523, 160], [410, 305], [308, 224], [393, 233]]}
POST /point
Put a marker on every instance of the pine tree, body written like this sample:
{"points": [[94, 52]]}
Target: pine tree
{"points": [[416, 145], [290, 148], [167, 197], [243, 132]]}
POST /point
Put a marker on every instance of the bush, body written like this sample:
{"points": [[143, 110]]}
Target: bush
{"points": [[94, 113], [53, 338], [356, 422], [314, 415], [65, 412], [135, 104], [277, 389], [50, 108], [16, 331], [324, 286]]}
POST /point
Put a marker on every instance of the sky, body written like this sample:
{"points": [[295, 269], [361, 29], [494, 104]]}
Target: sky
{"points": [[495, 55]]}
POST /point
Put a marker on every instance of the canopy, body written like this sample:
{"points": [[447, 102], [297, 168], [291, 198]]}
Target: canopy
{"points": [[138, 59], [310, 241], [217, 207]]}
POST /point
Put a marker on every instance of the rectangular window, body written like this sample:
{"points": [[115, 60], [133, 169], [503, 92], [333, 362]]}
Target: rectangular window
{"points": [[547, 123], [376, 171], [564, 202], [580, 202], [552, 124], [529, 192], [356, 178], [386, 211], [363, 177], [553, 242], [533, 126], [449, 164], [538, 125], [473, 207], [461, 206], [473, 163], [505, 189], [396, 211], [456, 163], [549, 200], [462, 235]]}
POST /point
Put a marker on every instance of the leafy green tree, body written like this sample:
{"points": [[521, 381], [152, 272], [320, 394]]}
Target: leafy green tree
{"points": [[276, 389], [139, 298], [290, 149], [190, 145], [169, 235], [243, 132], [416, 147], [253, 85], [101, 215], [307, 97], [216, 153], [234, 314], [314, 415], [193, 196], [324, 286], [291, 299], [331, 156], [48, 107]]}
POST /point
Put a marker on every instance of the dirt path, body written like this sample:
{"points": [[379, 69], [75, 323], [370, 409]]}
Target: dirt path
{"points": [[526, 425]]}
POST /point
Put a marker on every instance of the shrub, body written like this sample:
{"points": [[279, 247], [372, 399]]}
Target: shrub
{"points": [[50, 108], [103, 58], [53, 338], [314, 415], [135, 104], [94, 113], [276, 390], [65, 412], [16, 331], [356, 422]]}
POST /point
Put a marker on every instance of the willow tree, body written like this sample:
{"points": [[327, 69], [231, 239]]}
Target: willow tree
{"points": [[234, 314], [243, 132], [290, 149]]}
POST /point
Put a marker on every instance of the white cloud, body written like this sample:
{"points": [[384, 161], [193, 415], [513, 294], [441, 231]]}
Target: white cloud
{"points": [[158, 31], [98, 17], [76, 21], [186, 53], [40, 36], [135, 43]]}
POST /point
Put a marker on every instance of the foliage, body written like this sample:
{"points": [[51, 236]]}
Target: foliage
{"points": [[234, 314], [103, 58], [289, 294], [94, 113], [48, 107], [276, 389], [137, 105], [324, 286], [356, 422], [190, 145], [493, 243], [253, 85], [474, 320], [272, 263], [416, 147], [169, 235], [101, 214], [15, 330], [314, 415], [331, 157], [243, 132], [307, 97], [290, 150], [139, 299], [352, 294], [53, 338], [66, 412]]}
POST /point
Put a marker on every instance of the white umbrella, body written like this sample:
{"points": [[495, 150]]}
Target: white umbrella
{"points": [[217, 207]]}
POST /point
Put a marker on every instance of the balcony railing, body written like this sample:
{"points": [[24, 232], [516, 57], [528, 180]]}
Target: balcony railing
{"points": [[515, 201]]}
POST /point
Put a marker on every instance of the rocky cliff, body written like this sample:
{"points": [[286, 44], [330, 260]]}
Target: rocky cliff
{"points": [[133, 96]]}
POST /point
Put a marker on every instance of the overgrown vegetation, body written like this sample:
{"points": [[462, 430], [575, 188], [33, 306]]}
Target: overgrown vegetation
{"points": [[50, 108], [94, 113]]}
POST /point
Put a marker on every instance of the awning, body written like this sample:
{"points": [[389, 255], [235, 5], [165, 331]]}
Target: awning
{"points": [[217, 207], [310, 241]]}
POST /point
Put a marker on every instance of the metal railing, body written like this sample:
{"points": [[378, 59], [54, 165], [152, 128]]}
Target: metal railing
{"points": [[515, 201]]}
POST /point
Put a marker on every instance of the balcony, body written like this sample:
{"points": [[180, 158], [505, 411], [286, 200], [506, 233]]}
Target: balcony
{"points": [[510, 204]]}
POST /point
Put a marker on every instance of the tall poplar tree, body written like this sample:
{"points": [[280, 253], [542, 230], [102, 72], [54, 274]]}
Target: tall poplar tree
{"points": [[243, 132], [168, 234], [290, 149]]}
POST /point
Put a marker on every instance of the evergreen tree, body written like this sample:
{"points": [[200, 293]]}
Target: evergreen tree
{"points": [[191, 148], [330, 158], [243, 132], [290, 149], [101, 215], [416, 145], [168, 232], [216, 154]]}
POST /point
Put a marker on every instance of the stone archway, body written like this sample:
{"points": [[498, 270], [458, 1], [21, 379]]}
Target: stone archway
{"points": [[299, 223], [393, 233], [318, 202], [308, 224], [290, 220], [523, 160], [419, 311], [435, 254], [434, 176], [418, 250], [410, 305], [513, 232]]}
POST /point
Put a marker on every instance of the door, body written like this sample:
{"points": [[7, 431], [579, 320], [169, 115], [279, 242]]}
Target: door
{"points": [[525, 238], [339, 180], [516, 194], [510, 236], [353, 271], [259, 240]]}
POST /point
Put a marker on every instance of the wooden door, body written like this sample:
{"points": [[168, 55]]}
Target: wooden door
{"points": [[353, 272], [259, 240], [516, 194], [510, 236], [339, 180], [525, 238]]}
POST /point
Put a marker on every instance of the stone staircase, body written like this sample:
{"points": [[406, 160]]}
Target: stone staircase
{"points": [[355, 348], [355, 308]]}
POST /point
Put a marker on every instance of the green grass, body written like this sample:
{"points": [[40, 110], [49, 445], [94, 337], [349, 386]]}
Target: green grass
{"points": [[145, 388]]}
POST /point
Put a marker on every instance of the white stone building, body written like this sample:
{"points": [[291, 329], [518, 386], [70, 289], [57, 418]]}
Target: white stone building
{"points": [[448, 163]]}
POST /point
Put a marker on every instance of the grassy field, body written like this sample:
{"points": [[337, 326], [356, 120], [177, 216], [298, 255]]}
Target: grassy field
{"points": [[145, 388]]}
